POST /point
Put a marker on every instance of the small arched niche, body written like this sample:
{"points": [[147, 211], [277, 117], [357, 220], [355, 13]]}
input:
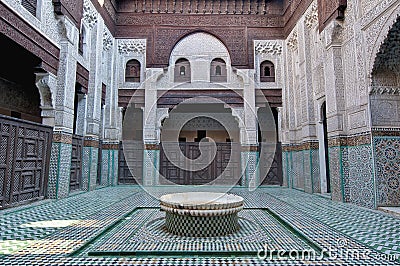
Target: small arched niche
{"points": [[132, 71], [218, 71], [267, 71], [182, 70]]}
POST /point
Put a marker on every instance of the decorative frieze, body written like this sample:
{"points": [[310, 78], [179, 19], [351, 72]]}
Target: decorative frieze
{"points": [[385, 132], [309, 145], [110, 146], [311, 17], [89, 13], [292, 41], [380, 90], [355, 140], [152, 147], [249, 148], [61, 137], [268, 47], [107, 39], [91, 142], [136, 46]]}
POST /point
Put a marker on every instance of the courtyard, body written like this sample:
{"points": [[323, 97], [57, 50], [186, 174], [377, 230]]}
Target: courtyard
{"points": [[123, 225]]}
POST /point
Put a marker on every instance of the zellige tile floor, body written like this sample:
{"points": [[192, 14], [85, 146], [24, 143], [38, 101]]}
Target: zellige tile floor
{"points": [[123, 226]]}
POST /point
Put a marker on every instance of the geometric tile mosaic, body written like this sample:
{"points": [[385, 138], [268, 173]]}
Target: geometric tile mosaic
{"points": [[358, 176], [144, 231], [387, 162], [76, 230], [303, 170]]}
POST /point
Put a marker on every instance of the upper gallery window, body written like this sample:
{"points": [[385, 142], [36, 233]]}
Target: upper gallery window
{"points": [[182, 70], [218, 70], [132, 71], [267, 72]]}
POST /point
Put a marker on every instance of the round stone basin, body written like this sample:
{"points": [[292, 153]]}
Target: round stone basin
{"points": [[201, 214]]}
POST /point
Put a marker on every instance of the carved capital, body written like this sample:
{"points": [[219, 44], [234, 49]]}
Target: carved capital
{"points": [[161, 114], [334, 33], [238, 114], [47, 84], [67, 29]]}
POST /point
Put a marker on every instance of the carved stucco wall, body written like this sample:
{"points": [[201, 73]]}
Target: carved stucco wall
{"points": [[129, 49], [337, 65], [271, 50], [200, 49]]}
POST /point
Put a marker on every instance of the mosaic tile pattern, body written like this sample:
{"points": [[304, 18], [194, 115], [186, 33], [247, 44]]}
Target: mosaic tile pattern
{"points": [[285, 166], [109, 172], [89, 167], [59, 172], [358, 176], [114, 172], [335, 170], [187, 225], [249, 162], [387, 161], [54, 233], [23, 223], [307, 171], [150, 163], [316, 178], [298, 169], [145, 231], [302, 169], [86, 158], [374, 229], [105, 168]]}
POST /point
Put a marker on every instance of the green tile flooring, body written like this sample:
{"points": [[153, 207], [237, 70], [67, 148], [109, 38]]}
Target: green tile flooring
{"points": [[123, 226]]}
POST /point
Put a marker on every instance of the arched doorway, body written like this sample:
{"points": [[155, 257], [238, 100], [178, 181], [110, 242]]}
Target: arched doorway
{"points": [[193, 130], [130, 165], [385, 118], [267, 124], [325, 151]]}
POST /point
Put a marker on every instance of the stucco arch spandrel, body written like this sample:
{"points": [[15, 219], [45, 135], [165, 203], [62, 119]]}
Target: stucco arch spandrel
{"points": [[197, 44], [379, 35]]}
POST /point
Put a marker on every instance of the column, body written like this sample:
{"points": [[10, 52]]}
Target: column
{"points": [[151, 135], [60, 161], [249, 143], [335, 104], [110, 153], [93, 108]]}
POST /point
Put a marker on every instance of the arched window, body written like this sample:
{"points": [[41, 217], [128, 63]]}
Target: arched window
{"points": [[218, 70], [132, 71], [267, 72], [182, 70]]}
